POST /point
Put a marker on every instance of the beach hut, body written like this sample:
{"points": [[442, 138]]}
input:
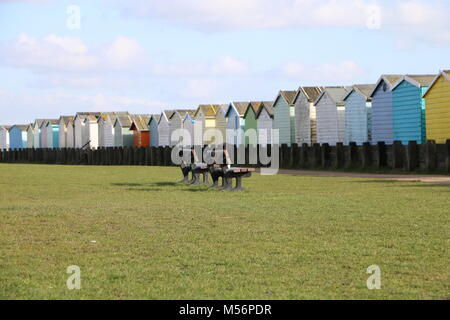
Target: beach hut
{"points": [[382, 122], [221, 123], [264, 122], [86, 129], [164, 128], [123, 136], [52, 133], [106, 123], [188, 127], [358, 113], [18, 137], [205, 122], [176, 123], [4, 137], [236, 123], [330, 113], [37, 133], [305, 115], [154, 130], [250, 127], [284, 116], [437, 99], [30, 136], [62, 122], [408, 108], [141, 132], [70, 133], [43, 134]]}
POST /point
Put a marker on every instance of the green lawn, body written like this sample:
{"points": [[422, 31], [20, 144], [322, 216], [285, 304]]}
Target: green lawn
{"points": [[286, 237]]}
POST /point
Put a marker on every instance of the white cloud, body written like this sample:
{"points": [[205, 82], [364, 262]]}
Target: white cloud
{"points": [[338, 72], [67, 54], [418, 19], [200, 89]]}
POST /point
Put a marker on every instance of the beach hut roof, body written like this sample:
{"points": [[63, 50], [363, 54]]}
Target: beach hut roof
{"points": [[140, 122], [389, 79], [182, 113], [364, 89], [124, 120], [66, 119], [209, 110], [38, 123], [287, 95], [259, 106], [5, 127], [112, 116], [239, 107], [445, 74], [311, 93], [87, 115], [155, 117], [335, 93], [21, 127], [416, 80]]}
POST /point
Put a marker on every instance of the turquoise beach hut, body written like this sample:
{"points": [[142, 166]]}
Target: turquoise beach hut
{"points": [[408, 108]]}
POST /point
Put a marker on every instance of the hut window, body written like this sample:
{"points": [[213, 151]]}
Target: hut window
{"points": [[384, 87]]}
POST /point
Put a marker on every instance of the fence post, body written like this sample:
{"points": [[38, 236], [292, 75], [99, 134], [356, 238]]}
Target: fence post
{"points": [[366, 155], [352, 156], [381, 160], [325, 154], [397, 152], [430, 156], [339, 161], [412, 157], [447, 158]]}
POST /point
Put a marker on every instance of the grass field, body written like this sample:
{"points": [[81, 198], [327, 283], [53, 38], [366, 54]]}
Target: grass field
{"points": [[136, 234]]}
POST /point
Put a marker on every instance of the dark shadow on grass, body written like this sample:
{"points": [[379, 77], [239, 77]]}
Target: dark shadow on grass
{"points": [[127, 184], [157, 184], [166, 184]]}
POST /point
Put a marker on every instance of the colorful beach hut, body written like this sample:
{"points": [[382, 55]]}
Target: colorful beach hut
{"points": [[4, 137], [382, 122], [236, 123], [141, 132], [123, 136], [154, 130], [264, 122], [18, 137], [284, 116], [106, 131], [305, 114], [52, 133], [358, 114], [330, 112], [437, 111], [176, 125], [408, 108]]}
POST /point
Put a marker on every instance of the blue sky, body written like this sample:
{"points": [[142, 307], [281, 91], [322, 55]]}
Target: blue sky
{"points": [[145, 56]]}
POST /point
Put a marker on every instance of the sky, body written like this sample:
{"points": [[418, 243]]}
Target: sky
{"points": [[59, 57]]}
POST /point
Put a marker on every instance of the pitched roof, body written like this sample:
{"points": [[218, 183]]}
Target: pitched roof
{"points": [[52, 121], [156, 117], [389, 79], [112, 116], [265, 105], [444, 73], [140, 122], [288, 96], [209, 110], [5, 127], [417, 80], [363, 89], [335, 93], [84, 115], [311, 93], [124, 120], [22, 127], [38, 122], [66, 119], [182, 113]]}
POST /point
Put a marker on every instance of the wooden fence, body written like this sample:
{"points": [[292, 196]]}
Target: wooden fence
{"points": [[426, 158]]}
